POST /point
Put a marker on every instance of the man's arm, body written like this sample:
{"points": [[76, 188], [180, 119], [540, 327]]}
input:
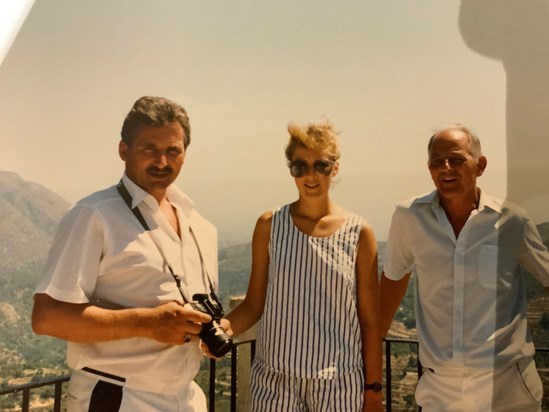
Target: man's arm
{"points": [[391, 294], [86, 323]]}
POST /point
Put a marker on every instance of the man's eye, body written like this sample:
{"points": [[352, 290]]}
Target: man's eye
{"points": [[456, 161]]}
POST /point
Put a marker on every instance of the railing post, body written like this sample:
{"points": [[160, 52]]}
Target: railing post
{"points": [[212, 386], [234, 361], [57, 397], [26, 398], [388, 378]]}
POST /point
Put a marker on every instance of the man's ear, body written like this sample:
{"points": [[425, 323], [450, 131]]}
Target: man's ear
{"points": [[123, 150], [481, 165]]}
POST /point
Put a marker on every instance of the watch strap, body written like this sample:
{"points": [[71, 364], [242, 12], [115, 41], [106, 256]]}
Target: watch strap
{"points": [[374, 386]]}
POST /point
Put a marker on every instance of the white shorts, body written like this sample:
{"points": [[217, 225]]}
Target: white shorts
{"points": [[88, 392], [511, 389]]}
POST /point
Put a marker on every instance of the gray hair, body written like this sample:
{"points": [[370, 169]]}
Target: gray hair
{"points": [[474, 141]]}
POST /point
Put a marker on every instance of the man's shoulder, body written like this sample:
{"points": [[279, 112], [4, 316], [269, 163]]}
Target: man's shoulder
{"points": [[417, 202], [94, 203], [503, 206], [99, 197]]}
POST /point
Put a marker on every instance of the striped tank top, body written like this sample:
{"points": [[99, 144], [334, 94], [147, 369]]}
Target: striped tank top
{"points": [[309, 327]]}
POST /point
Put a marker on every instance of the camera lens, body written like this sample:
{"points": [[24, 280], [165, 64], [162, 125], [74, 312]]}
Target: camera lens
{"points": [[215, 338]]}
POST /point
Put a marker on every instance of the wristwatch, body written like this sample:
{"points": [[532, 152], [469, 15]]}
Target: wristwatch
{"points": [[376, 387]]}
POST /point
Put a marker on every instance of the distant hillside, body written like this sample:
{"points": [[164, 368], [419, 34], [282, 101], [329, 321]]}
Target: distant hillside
{"points": [[30, 213], [28, 219], [234, 271]]}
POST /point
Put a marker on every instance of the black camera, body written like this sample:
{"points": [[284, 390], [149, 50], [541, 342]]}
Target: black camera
{"points": [[212, 334]]}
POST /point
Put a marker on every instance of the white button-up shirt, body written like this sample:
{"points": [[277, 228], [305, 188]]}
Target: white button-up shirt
{"points": [[102, 255], [470, 297]]}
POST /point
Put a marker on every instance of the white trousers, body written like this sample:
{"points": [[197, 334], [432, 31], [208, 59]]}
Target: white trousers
{"points": [[88, 392], [511, 389]]}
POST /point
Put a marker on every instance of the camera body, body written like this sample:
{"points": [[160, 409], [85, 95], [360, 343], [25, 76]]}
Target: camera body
{"points": [[212, 334]]}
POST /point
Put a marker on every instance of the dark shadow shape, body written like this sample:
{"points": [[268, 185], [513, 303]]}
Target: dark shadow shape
{"points": [[516, 32]]}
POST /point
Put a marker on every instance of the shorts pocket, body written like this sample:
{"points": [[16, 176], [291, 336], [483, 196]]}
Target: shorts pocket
{"points": [[528, 374]]}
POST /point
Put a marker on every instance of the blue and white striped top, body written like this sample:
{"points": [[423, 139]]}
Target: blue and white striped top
{"points": [[309, 327]]}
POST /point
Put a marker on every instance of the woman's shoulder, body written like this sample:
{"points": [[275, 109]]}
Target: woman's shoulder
{"points": [[361, 223], [266, 216], [272, 213]]}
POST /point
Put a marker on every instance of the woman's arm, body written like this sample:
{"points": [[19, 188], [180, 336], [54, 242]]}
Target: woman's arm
{"points": [[245, 315], [368, 315]]}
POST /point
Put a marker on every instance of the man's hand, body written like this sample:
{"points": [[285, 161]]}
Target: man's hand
{"points": [[175, 324]]}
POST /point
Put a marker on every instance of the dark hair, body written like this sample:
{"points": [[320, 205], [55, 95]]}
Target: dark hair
{"points": [[155, 111]]}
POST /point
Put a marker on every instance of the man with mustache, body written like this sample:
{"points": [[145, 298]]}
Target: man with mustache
{"points": [[123, 265], [465, 247]]}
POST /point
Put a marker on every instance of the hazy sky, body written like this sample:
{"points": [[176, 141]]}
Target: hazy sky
{"points": [[386, 72]]}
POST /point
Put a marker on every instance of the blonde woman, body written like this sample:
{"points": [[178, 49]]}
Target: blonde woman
{"points": [[314, 285]]}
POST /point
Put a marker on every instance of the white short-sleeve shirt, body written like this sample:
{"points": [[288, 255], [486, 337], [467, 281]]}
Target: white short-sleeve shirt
{"points": [[470, 298], [102, 255]]}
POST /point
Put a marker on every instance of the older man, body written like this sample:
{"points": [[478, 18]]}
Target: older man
{"points": [[464, 248], [123, 264]]}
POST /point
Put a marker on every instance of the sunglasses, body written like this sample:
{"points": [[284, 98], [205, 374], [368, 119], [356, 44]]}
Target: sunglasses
{"points": [[299, 168]]}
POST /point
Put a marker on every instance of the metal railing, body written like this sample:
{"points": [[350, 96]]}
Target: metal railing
{"points": [[25, 390]]}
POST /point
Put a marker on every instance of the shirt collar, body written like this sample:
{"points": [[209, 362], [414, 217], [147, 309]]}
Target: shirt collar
{"points": [[175, 195], [489, 202], [485, 201]]}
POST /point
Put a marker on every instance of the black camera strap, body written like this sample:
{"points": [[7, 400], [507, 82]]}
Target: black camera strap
{"points": [[123, 191]]}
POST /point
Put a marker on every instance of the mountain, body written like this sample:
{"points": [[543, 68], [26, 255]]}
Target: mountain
{"points": [[29, 217]]}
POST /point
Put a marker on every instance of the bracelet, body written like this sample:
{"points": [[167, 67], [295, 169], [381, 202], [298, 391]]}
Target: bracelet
{"points": [[376, 387]]}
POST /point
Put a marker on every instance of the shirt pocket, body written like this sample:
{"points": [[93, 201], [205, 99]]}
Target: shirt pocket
{"points": [[496, 266]]}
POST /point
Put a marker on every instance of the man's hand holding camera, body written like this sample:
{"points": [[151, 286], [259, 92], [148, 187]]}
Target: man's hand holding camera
{"points": [[175, 324], [178, 324]]}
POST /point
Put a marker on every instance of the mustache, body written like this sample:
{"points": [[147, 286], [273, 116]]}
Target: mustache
{"points": [[154, 169]]}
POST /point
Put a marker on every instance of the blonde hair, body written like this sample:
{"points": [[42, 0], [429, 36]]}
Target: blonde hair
{"points": [[316, 136]]}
